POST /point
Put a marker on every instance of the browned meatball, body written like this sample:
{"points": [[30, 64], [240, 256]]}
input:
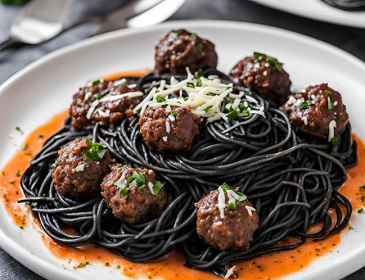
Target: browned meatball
{"points": [[313, 109], [105, 112], [234, 231], [77, 176], [133, 201], [176, 136], [263, 75], [180, 49]]}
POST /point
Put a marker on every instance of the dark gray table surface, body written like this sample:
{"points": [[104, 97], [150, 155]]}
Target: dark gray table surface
{"points": [[349, 39]]}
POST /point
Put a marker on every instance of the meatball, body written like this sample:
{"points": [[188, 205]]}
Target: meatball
{"points": [[169, 129], [263, 75], [78, 176], [234, 231], [180, 49], [313, 110], [130, 193], [103, 103]]}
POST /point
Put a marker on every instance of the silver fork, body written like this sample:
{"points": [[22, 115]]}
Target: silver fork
{"points": [[38, 22]]}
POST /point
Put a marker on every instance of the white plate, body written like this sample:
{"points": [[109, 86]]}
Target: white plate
{"points": [[46, 87], [318, 10]]}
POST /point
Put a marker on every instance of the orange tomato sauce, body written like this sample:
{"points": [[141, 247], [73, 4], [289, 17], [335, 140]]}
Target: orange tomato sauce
{"points": [[172, 266]]}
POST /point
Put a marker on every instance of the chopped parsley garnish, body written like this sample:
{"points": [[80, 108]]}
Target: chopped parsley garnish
{"points": [[55, 164], [198, 74], [31, 204], [256, 61], [198, 82], [186, 98], [305, 105], [232, 206], [360, 210], [336, 117], [193, 35], [190, 85], [25, 147], [157, 187], [225, 187], [41, 136], [174, 113], [18, 173], [124, 191], [200, 46], [334, 141], [177, 34], [242, 197], [96, 82], [96, 152], [17, 128], [160, 99], [83, 264], [232, 114], [98, 96], [139, 178], [244, 110], [21, 227], [328, 92], [125, 84], [139, 110], [271, 60], [330, 105], [208, 108]]}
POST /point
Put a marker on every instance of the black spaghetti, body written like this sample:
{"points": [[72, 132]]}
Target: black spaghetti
{"points": [[291, 182]]}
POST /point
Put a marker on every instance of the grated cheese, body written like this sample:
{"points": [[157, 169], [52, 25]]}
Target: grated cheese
{"points": [[305, 120], [104, 114], [92, 108], [87, 95], [331, 127], [164, 138], [229, 272], [120, 82], [250, 209], [168, 129], [150, 186], [221, 202]]}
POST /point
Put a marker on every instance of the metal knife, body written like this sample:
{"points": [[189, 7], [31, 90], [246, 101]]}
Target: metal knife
{"points": [[139, 13]]}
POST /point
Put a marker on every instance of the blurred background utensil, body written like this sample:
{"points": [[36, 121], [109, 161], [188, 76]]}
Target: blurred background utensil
{"points": [[42, 20], [39, 21]]}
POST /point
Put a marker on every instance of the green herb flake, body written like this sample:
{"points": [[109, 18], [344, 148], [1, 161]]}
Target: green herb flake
{"points": [[198, 82], [350, 227], [208, 108], [96, 82], [107, 264], [55, 164], [4, 173], [160, 99], [177, 34], [328, 92], [360, 210], [200, 46], [21, 227], [190, 85], [336, 117], [193, 35], [226, 187], [41, 136], [83, 264], [232, 115], [96, 152], [18, 173], [124, 191], [334, 141], [118, 266], [186, 98], [257, 54], [80, 168], [232, 206], [242, 197], [330, 105], [139, 178], [317, 249], [139, 110], [98, 96], [260, 267], [125, 84], [17, 128], [305, 105], [25, 147], [12, 182], [174, 113], [157, 187]]}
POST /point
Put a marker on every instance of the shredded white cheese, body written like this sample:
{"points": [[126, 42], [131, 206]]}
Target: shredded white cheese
{"points": [[335, 103], [131, 86], [87, 95], [250, 209], [168, 129], [229, 272], [305, 120], [291, 100], [120, 82], [221, 202], [331, 127], [164, 138], [264, 73], [120, 96], [92, 108], [104, 114], [172, 117], [204, 96], [150, 186]]}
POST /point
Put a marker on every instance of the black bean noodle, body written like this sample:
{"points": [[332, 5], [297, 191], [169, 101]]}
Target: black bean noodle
{"points": [[292, 182], [347, 5]]}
